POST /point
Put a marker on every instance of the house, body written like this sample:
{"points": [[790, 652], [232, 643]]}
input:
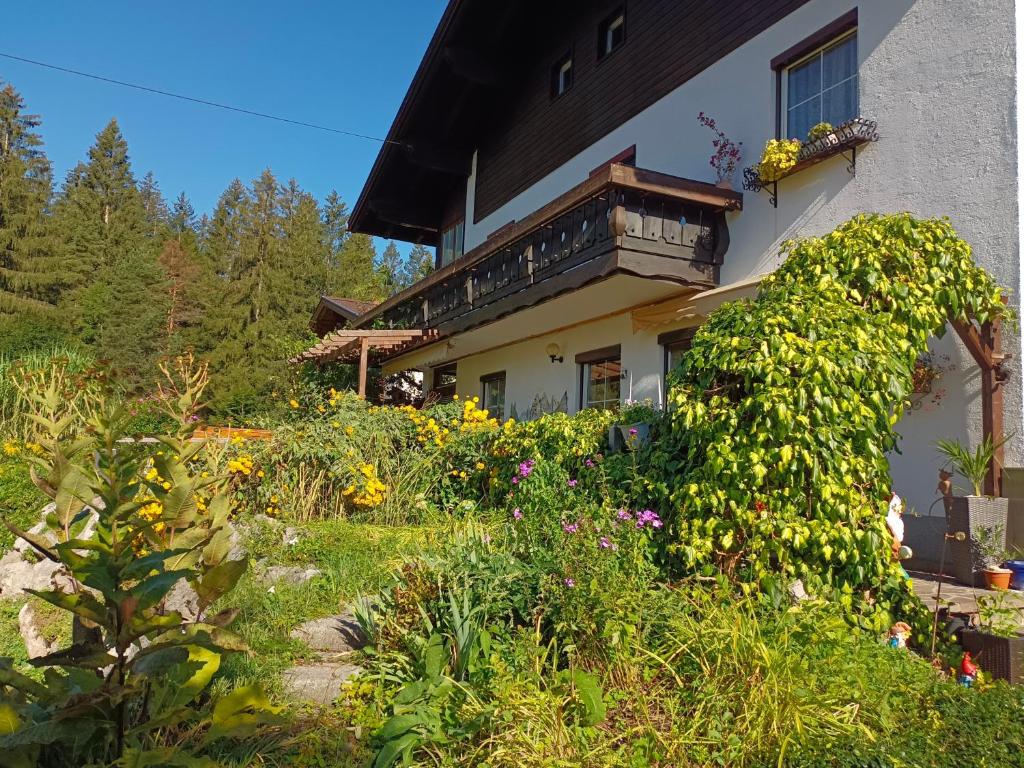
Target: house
{"points": [[334, 313], [552, 154]]}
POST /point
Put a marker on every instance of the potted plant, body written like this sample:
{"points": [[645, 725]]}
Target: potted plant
{"points": [[633, 428], [727, 152], [778, 156], [996, 644], [972, 512], [991, 546]]}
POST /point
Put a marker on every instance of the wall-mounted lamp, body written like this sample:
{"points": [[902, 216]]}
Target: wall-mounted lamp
{"points": [[553, 351]]}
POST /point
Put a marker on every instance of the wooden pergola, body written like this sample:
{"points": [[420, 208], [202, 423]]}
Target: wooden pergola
{"points": [[350, 346], [984, 342]]}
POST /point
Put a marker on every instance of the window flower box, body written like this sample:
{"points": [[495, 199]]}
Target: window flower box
{"points": [[843, 140]]}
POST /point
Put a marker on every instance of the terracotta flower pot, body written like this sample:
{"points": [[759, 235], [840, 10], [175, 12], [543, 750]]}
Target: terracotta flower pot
{"points": [[997, 578]]}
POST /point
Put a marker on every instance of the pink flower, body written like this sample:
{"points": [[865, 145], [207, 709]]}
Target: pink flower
{"points": [[606, 543], [569, 582], [517, 513], [570, 527], [572, 483], [625, 515]]}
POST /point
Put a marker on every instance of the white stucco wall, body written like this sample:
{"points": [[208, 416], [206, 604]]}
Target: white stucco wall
{"points": [[939, 77]]}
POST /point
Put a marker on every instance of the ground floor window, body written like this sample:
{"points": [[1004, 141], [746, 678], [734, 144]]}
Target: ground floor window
{"points": [[443, 387], [675, 344], [493, 385], [601, 378]]}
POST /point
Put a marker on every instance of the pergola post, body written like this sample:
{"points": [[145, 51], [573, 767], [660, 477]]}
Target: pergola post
{"points": [[364, 360], [985, 347]]}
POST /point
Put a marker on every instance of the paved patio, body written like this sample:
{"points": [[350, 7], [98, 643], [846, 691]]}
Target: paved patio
{"points": [[960, 598]]}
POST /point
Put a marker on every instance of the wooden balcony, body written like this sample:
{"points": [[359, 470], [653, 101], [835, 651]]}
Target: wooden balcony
{"points": [[620, 220]]}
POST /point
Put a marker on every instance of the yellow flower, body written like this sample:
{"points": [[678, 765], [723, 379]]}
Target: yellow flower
{"points": [[11, 448], [480, 465], [293, 403], [349, 430]]}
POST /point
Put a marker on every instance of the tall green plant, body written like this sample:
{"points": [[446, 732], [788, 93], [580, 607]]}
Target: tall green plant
{"points": [[973, 465], [784, 409], [126, 692]]}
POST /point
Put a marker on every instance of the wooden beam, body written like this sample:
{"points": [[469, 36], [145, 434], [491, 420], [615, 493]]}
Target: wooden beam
{"points": [[364, 356], [434, 158], [992, 407]]}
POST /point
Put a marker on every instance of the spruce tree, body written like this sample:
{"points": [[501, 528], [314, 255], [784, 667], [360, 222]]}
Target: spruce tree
{"points": [[29, 263], [182, 217], [418, 264], [390, 269], [117, 296], [154, 207]]}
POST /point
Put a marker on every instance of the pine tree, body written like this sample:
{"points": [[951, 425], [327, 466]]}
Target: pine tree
{"points": [[29, 263], [118, 296], [390, 269], [418, 264], [100, 215], [183, 217], [184, 304], [154, 207]]}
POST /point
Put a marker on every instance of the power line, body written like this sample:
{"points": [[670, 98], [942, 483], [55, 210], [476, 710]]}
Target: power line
{"points": [[195, 100]]}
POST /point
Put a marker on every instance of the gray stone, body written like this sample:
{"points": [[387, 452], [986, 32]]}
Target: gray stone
{"points": [[183, 599], [291, 536], [334, 634], [318, 683], [18, 574], [33, 632], [288, 574], [797, 592]]}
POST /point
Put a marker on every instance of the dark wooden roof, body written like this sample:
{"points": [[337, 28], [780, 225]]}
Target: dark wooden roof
{"points": [[335, 312], [473, 55]]}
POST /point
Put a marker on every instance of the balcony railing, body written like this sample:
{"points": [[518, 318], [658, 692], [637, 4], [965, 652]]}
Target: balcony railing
{"points": [[644, 221]]}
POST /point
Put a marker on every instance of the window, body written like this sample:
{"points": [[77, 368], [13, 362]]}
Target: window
{"points": [[675, 344], [561, 76], [601, 378], [493, 385], [452, 240], [822, 87], [611, 33], [443, 389]]}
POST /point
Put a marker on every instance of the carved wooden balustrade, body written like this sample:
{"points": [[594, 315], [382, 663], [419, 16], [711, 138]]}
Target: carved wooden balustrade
{"points": [[675, 226]]}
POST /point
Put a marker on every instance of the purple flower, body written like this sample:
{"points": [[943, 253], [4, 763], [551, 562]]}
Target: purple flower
{"points": [[572, 483], [625, 515], [633, 431], [526, 467], [515, 480], [570, 527], [589, 463], [647, 517], [606, 543], [517, 513], [569, 582]]}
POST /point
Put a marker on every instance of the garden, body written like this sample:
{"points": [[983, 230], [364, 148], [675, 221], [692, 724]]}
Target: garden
{"points": [[717, 588]]}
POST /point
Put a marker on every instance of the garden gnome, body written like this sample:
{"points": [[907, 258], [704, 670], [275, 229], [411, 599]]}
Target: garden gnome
{"points": [[898, 634], [968, 671]]}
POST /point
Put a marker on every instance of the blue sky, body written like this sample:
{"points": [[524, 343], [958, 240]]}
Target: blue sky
{"points": [[339, 63]]}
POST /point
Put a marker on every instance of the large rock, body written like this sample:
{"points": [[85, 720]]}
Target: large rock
{"points": [[334, 634], [183, 599], [318, 683], [18, 574], [288, 574], [39, 640]]}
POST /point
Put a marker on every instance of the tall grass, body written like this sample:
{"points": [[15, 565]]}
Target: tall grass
{"points": [[72, 360]]}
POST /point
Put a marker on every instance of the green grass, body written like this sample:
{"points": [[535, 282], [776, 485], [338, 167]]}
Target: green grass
{"points": [[20, 500], [353, 559]]}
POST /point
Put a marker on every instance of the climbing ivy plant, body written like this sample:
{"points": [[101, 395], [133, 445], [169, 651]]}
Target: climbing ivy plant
{"points": [[786, 406]]}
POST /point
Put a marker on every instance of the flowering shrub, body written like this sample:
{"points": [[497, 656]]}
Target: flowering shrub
{"points": [[727, 152], [779, 156], [819, 131]]}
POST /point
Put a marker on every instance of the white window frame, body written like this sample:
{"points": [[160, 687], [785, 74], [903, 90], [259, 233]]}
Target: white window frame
{"points": [[817, 52], [490, 379], [606, 404]]}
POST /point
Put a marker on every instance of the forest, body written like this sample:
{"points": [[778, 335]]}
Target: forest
{"points": [[102, 264]]}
